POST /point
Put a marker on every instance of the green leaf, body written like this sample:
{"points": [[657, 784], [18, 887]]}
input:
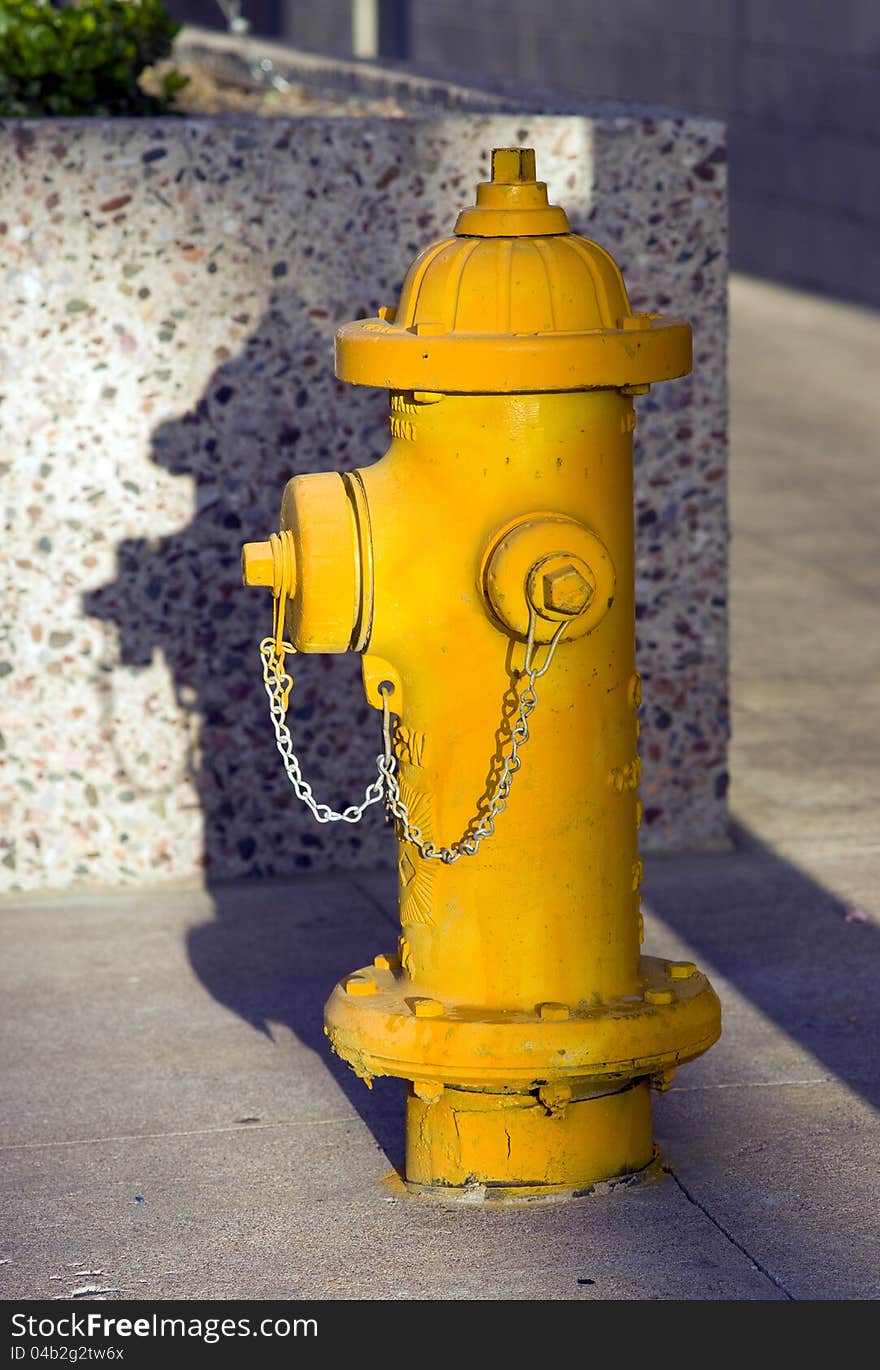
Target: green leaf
{"points": [[83, 59]]}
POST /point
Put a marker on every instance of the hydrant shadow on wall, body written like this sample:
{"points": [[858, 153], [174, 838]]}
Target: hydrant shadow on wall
{"points": [[484, 569]]}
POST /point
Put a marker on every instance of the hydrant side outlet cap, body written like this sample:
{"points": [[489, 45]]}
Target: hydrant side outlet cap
{"points": [[514, 301]]}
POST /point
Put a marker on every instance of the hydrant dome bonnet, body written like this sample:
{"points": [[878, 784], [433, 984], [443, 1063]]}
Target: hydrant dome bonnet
{"points": [[513, 302]]}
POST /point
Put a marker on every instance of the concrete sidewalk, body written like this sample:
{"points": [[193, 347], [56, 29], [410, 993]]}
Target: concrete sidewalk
{"points": [[175, 1127]]}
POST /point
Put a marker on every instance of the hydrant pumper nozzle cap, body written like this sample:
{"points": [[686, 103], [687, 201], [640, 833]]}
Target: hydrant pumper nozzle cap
{"points": [[513, 301]]}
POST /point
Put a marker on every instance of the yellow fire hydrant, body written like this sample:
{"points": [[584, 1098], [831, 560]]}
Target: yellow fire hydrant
{"points": [[484, 568]]}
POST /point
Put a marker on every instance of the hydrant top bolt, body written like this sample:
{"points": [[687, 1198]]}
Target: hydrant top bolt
{"points": [[681, 970], [512, 165], [514, 203]]}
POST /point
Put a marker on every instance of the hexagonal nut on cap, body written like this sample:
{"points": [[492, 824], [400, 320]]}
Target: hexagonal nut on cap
{"points": [[565, 590]]}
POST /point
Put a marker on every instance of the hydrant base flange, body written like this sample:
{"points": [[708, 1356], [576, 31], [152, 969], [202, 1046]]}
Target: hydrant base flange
{"points": [[376, 1019]]}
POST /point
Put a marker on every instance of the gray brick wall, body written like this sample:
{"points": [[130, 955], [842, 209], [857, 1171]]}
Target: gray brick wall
{"points": [[797, 80]]}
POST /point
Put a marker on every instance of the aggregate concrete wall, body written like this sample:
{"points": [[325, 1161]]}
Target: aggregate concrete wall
{"points": [[798, 82], [171, 292]]}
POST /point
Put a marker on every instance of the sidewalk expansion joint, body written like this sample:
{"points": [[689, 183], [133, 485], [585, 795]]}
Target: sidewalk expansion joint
{"points": [[762, 1269], [752, 1084], [164, 1136]]}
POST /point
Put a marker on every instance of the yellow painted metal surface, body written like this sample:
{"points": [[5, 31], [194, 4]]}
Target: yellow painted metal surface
{"points": [[522, 1146], [513, 302], [501, 516]]}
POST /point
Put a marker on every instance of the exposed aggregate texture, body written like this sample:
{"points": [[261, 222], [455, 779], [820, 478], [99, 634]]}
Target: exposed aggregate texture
{"points": [[171, 291]]}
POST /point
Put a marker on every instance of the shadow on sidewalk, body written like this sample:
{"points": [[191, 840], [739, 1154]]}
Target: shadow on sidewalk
{"points": [[802, 956], [273, 952]]}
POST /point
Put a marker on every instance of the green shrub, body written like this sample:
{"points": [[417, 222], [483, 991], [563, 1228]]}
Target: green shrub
{"points": [[84, 59]]}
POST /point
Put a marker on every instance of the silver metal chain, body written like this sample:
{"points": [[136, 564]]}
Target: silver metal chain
{"points": [[278, 684], [480, 826]]}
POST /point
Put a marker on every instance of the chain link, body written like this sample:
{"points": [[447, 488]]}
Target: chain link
{"points": [[278, 684], [480, 827]]}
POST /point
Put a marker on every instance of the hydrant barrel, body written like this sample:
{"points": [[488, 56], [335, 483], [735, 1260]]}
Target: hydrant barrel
{"points": [[487, 574], [548, 907]]}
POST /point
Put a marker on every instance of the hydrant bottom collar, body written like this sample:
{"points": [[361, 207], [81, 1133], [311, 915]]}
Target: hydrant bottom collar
{"points": [[519, 1147]]}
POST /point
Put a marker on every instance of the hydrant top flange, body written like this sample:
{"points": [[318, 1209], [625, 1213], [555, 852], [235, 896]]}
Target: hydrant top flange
{"points": [[512, 302]]}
